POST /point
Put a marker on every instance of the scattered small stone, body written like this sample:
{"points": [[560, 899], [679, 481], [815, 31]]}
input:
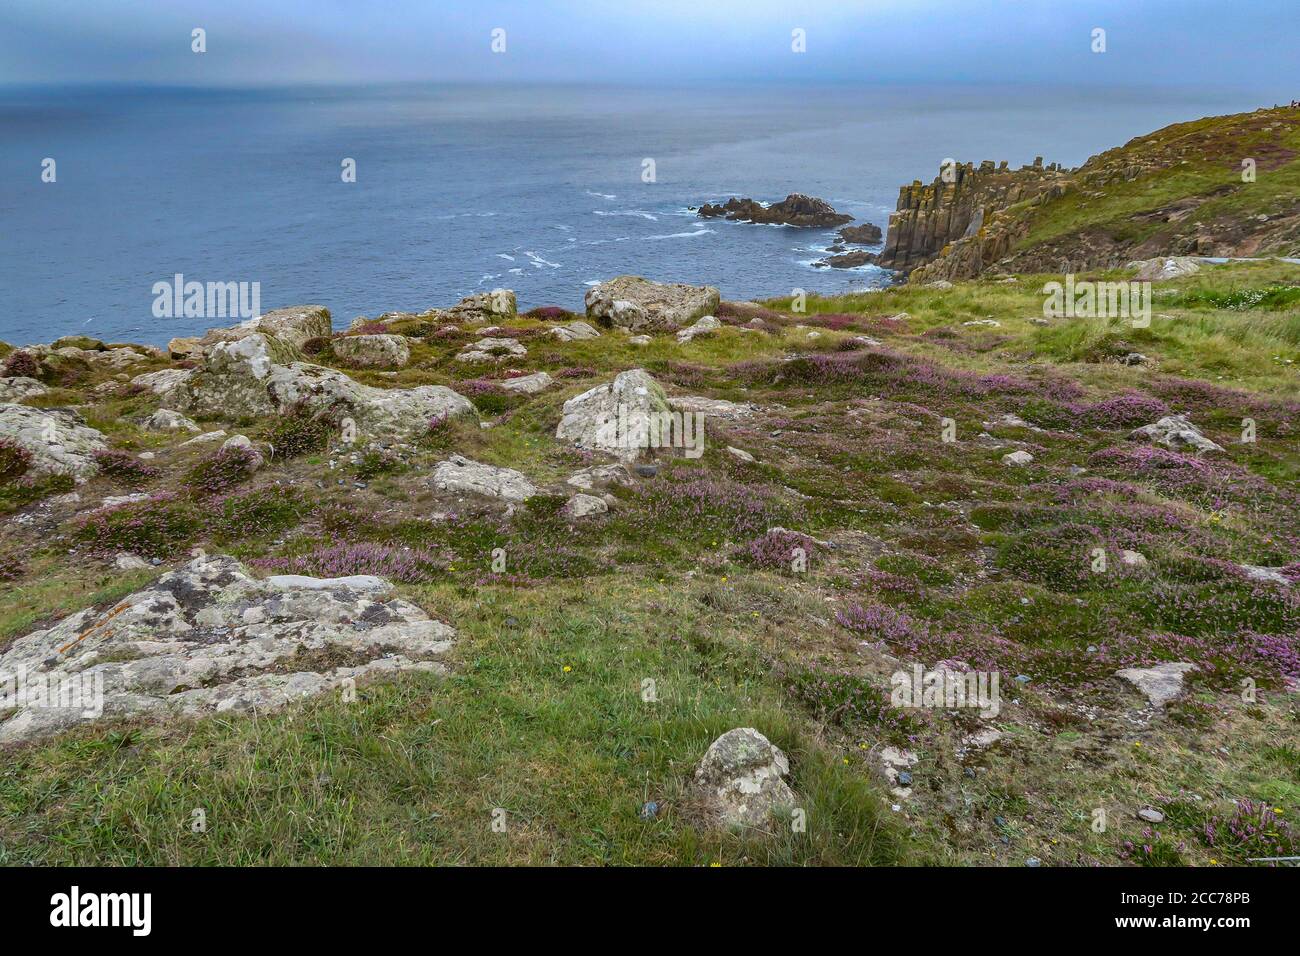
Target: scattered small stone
{"points": [[1017, 459], [1151, 815]]}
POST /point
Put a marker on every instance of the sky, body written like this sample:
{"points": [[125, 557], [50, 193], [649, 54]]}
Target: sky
{"points": [[1245, 45]]}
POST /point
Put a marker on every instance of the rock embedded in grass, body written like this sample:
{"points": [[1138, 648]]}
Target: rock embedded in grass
{"points": [[373, 351], [209, 637], [58, 439], [640, 305], [1161, 683], [527, 384], [615, 417], [1177, 433], [459, 474], [740, 779]]}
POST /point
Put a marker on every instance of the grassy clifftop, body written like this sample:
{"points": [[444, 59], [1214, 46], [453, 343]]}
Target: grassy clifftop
{"points": [[920, 550], [1219, 186]]}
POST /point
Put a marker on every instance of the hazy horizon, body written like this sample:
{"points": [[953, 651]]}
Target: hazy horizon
{"points": [[1161, 44]]}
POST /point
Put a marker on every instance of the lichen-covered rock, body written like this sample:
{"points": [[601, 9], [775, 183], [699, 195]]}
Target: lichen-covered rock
{"points": [[166, 420], [19, 387], [528, 384], [640, 305], [1166, 267], [615, 417], [484, 306], [293, 326], [245, 378], [60, 441], [163, 382], [573, 331], [460, 475], [209, 637], [600, 476], [1161, 683], [373, 351], [740, 779], [703, 326], [1017, 459], [1177, 433], [492, 350], [581, 506]]}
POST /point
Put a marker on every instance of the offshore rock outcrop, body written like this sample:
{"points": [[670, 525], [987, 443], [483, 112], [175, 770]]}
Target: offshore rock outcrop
{"points": [[963, 205], [795, 209]]}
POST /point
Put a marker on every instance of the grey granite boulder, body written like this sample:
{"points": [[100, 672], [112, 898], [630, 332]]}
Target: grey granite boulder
{"points": [[59, 440], [211, 638], [459, 474], [639, 305], [373, 351], [615, 417], [1160, 684], [740, 779], [247, 378], [1177, 433]]}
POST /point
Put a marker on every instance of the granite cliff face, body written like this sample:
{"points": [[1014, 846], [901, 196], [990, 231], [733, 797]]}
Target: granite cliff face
{"points": [[962, 204], [1221, 186]]}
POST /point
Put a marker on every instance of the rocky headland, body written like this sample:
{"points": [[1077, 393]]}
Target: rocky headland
{"points": [[654, 580]]}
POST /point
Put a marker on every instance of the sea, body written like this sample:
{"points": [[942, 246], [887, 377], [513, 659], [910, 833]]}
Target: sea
{"points": [[457, 189]]}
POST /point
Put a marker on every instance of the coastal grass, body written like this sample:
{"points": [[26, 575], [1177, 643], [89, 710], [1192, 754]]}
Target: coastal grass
{"points": [[922, 550]]}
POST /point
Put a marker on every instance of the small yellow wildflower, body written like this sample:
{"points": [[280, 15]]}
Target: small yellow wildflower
{"points": [[567, 668]]}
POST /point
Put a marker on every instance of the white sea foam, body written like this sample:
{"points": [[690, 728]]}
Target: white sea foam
{"points": [[626, 212]]}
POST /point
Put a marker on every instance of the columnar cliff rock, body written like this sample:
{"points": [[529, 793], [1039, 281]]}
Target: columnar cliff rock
{"points": [[1217, 187], [962, 203]]}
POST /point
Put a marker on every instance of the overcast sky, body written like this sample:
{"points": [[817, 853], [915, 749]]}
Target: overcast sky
{"points": [[1246, 44]]}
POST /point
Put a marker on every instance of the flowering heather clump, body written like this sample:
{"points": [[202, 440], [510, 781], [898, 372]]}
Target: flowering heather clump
{"points": [[891, 584], [883, 623], [396, 564], [14, 460], [372, 327], [446, 332], [835, 321], [1194, 396], [220, 472], [845, 699], [716, 504], [439, 433], [548, 313], [160, 525], [739, 313], [474, 387], [12, 567], [574, 371], [21, 364], [1253, 830], [779, 549], [299, 431], [1124, 411], [124, 466]]}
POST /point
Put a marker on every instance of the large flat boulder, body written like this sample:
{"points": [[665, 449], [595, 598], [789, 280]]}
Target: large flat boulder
{"points": [[211, 638], [459, 474], [637, 304], [59, 440]]}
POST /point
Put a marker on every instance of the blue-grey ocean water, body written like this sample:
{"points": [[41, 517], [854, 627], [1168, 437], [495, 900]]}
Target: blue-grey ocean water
{"points": [[461, 188]]}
